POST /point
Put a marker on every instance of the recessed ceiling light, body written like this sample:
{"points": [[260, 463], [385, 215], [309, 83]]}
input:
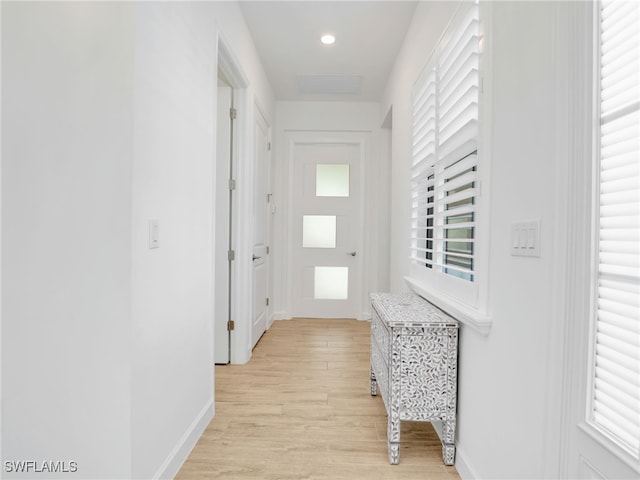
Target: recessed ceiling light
{"points": [[328, 39]]}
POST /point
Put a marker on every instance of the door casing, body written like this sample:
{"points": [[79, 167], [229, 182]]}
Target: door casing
{"points": [[223, 218], [241, 228]]}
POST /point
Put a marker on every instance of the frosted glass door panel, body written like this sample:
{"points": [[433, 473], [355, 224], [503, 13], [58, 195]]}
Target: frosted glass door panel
{"points": [[331, 283], [319, 231], [332, 180], [326, 225]]}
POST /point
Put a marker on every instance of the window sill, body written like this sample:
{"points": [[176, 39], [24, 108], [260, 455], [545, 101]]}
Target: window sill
{"points": [[477, 320], [628, 457]]}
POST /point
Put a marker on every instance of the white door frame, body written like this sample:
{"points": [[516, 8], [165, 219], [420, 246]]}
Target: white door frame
{"points": [[242, 204], [291, 138], [222, 216]]}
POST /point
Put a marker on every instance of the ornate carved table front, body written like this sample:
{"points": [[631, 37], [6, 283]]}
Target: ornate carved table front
{"points": [[414, 363]]}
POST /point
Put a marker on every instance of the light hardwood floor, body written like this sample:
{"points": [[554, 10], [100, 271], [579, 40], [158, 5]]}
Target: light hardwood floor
{"points": [[301, 409]]}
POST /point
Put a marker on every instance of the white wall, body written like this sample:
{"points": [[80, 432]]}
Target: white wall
{"points": [[66, 231], [175, 79], [331, 117], [109, 121], [508, 387]]}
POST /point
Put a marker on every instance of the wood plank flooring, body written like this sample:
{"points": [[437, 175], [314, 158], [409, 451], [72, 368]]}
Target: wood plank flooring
{"points": [[301, 409]]}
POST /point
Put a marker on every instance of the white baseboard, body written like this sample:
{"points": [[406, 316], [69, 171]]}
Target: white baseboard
{"points": [[180, 452], [284, 316], [465, 470]]}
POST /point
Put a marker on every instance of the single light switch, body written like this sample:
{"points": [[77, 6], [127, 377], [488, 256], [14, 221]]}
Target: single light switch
{"points": [[531, 238], [515, 237], [154, 234]]}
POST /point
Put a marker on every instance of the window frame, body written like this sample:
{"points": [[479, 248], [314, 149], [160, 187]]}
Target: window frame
{"points": [[464, 299], [591, 426]]}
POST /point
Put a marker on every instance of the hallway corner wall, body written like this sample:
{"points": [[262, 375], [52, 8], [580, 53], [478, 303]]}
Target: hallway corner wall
{"points": [[175, 78]]}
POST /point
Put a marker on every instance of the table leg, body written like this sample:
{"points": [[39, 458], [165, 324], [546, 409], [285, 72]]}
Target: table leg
{"points": [[394, 453], [374, 384], [448, 453], [393, 437]]}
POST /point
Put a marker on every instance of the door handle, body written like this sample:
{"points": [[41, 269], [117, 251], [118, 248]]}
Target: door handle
{"points": [[353, 254], [255, 258]]}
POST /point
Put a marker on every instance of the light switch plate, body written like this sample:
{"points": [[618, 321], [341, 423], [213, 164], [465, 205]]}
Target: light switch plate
{"points": [[154, 233], [525, 238]]}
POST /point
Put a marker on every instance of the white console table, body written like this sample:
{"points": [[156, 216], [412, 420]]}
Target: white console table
{"points": [[414, 363]]}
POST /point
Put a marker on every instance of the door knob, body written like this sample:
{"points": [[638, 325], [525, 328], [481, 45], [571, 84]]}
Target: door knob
{"points": [[255, 258], [353, 254]]}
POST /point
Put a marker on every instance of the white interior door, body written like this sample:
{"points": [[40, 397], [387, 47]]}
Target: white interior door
{"points": [[260, 229], [221, 351], [326, 225]]}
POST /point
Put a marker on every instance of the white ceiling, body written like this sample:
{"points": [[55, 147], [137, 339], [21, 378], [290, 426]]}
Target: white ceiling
{"points": [[368, 37]]}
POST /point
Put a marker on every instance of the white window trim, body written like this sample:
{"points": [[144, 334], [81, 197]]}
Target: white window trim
{"points": [[589, 425], [468, 301], [574, 290]]}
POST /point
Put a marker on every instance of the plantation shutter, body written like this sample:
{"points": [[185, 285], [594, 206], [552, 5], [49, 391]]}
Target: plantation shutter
{"points": [[422, 175], [616, 377], [444, 173]]}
